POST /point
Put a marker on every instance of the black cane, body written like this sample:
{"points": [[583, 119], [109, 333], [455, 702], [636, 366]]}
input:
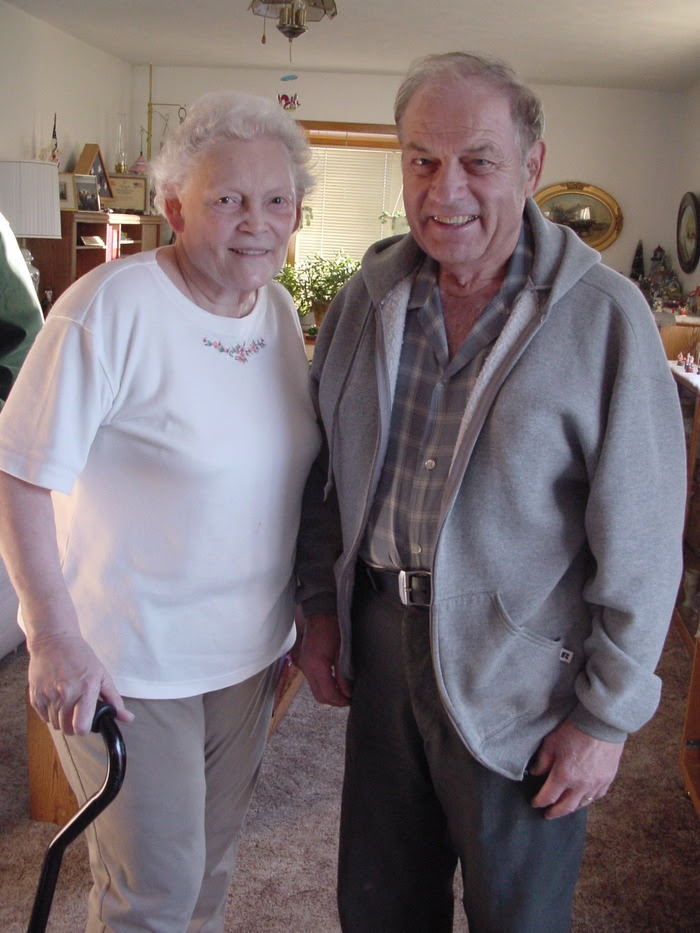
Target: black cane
{"points": [[104, 723]]}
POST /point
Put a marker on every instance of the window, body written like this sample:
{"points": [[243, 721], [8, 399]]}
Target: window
{"points": [[358, 171]]}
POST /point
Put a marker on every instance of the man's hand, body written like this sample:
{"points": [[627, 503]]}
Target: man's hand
{"points": [[579, 770], [65, 682], [319, 659]]}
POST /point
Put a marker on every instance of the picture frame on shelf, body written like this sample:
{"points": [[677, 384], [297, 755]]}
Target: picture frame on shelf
{"points": [[90, 162], [593, 214], [129, 194], [66, 191], [87, 192]]}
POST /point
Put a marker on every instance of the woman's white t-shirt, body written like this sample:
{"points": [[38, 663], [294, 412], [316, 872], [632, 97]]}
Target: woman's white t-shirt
{"points": [[180, 442]]}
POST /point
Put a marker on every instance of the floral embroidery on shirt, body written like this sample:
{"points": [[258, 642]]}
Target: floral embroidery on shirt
{"points": [[240, 352]]}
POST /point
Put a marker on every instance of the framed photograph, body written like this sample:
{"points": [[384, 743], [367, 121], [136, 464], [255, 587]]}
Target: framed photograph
{"points": [[90, 162], [66, 191], [589, 211], [128, 193], [87, 193]]}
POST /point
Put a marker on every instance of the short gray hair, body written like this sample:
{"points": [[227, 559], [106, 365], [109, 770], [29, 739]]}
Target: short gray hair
{"points": [[221, 116], [525, 105]]}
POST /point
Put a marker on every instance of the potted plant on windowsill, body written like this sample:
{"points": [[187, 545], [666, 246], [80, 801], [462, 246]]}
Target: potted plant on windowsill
{"points": [[315, 281]]}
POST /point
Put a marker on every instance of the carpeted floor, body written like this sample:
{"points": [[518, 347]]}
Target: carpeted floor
{"points": [[641, 871]]}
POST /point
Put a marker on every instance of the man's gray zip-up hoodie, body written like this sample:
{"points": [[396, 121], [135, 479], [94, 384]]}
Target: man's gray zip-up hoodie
{"points": [[558, 557]]}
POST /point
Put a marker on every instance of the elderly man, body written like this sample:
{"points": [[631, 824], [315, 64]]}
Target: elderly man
{"points": [[491, 543]]}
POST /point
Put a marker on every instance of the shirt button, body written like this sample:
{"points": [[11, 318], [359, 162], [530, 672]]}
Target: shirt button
{"points": [[416, 549], [430, 464]]}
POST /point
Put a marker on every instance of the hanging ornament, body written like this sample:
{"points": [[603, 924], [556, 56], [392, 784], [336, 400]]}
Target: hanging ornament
{"points": [[288, 102], [140, 166], [164, 136]]}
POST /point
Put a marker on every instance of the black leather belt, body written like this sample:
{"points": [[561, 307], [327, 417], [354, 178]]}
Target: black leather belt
{"points": [[410, 587]]}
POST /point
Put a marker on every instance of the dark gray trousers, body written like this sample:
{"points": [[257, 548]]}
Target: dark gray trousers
{"points": [[415, 803]]}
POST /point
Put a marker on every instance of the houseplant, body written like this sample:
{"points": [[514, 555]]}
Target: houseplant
{"points": [[316, 280]]}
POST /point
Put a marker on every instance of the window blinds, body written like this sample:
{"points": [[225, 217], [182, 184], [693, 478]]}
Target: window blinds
{"points": [[353, 188]]}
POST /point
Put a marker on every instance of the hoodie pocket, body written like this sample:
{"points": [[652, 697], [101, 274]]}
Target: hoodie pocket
{"points": [[494, 672]]}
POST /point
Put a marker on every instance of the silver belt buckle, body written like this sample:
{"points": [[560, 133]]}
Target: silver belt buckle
{"points": [[405, 589]]}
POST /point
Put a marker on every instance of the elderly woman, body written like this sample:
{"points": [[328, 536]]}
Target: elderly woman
{"points": [[166, 401]]}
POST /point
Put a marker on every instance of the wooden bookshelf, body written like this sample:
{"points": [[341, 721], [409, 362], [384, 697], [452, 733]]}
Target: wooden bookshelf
{"points": [[61, 262]]}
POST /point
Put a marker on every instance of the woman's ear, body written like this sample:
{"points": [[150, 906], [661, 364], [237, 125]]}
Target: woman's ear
{"points": [[173, 214], [297, 222]]}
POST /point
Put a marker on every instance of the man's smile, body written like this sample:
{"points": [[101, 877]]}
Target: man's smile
{"points": [[457, 221]]}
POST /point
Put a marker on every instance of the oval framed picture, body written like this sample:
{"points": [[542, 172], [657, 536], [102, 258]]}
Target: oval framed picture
{"points": [[687, 244], [592, 213]]}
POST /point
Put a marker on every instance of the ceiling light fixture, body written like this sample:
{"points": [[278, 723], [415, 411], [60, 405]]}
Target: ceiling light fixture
{"points": [[293, 15]]}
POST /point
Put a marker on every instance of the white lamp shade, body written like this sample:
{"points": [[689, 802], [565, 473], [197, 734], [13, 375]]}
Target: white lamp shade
{"points": [[29, 198]]}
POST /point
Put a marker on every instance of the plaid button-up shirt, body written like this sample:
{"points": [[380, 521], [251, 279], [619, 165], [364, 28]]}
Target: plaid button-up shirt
{"points": [[429, 402]]}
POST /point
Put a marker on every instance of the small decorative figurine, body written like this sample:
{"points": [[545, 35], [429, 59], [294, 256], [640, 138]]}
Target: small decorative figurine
{"points": [[52, 153], [637, 272]]}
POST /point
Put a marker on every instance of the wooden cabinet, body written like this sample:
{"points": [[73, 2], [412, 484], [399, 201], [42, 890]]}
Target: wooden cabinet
{"points": [[87, 240], [51, 799], [681, 338]]}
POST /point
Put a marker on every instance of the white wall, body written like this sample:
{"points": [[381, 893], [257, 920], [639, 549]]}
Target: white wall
{"points": [[351, 98], [622, 141], [44, 71], [642, 147]]}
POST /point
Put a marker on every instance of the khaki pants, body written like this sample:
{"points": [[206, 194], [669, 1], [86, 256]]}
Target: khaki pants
{"points": [[162, 854]]}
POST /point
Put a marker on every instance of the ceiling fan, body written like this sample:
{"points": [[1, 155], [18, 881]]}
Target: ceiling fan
{"points": [[293, 15]]}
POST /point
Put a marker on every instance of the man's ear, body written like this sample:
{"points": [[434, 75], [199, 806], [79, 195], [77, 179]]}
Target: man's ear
{"points": [[172, 209], [534, 163]]}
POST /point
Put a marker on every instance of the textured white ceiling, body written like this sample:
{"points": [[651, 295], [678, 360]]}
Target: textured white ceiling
{"points": [[649, 44]]}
